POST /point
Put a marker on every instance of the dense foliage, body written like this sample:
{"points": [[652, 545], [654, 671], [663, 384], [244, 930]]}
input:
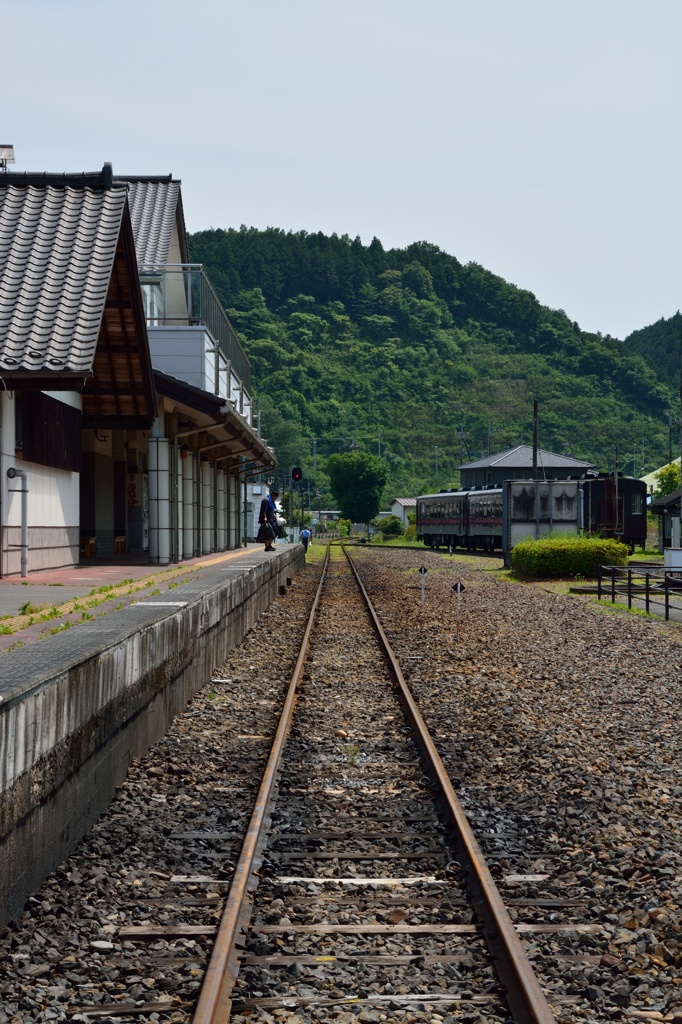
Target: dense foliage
{"points": [[660, 345], [667, 479], [390, 527], [566, 557], [428, 362]]}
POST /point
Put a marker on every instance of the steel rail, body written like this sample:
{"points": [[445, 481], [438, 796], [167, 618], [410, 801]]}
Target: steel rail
{"points": [[526, 999], [215, 1001]]}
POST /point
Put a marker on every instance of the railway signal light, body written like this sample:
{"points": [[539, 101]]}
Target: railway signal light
{"points": [[297, 474]]}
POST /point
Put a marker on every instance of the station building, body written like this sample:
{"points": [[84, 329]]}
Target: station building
{"points": [[127, 422]]}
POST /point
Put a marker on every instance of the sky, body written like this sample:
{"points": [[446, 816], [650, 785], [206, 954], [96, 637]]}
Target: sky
{"points": [[539, 138]]}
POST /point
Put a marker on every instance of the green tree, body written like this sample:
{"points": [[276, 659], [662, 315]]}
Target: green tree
{"points": [[667, 479], [357, 481]]}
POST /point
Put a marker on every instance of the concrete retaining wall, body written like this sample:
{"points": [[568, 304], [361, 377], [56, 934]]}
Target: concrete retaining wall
{"points": [[76, 707]]}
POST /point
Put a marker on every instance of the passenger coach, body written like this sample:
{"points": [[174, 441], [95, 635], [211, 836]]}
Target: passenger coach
{"points": [[461, 519], [497, 517]]}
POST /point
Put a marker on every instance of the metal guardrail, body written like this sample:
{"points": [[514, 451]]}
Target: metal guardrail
{"points": [[654, 586], [185, 296]]}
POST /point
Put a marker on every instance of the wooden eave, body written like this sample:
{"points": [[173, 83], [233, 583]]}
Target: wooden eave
{"points": [[120, 392]]}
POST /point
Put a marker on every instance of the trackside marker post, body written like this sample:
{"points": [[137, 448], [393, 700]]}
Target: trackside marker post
{"points": [[458, 587], [422, 574]]}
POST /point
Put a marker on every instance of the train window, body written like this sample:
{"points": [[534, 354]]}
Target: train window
{"points": [[637, 505]]}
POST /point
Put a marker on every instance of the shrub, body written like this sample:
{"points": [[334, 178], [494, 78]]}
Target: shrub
{"points": [[391, 526], [562, 557]]}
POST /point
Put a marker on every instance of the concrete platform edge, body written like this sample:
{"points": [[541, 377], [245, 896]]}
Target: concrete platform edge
{"points": [[67, 734]]}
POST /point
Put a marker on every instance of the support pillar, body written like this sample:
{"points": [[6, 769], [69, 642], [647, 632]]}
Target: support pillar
{"points": [[221, 503], [159, 500], [206, 508], [187, 504]]}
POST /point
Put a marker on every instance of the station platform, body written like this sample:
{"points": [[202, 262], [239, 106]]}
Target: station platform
{"points": [[31, 609]]}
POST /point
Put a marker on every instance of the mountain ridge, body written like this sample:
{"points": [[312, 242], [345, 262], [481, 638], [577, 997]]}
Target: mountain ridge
{"points": [[430, 362]]}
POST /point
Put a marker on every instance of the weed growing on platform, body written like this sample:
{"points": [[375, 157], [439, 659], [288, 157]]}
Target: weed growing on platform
{"points": [[59, 629], [28, 608]]}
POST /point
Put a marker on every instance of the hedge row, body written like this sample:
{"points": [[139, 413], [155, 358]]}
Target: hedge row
{"points": [[562, 557]]}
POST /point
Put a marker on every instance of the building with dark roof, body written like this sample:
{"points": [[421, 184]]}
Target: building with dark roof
{"points": [[517, 464], [119, 445]]}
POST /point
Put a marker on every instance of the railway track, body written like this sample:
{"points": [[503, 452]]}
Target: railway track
{"points": [[360, 885], [358, 904]]}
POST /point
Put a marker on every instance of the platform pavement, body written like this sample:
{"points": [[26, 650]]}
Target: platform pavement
{"points": [[59, 588]]}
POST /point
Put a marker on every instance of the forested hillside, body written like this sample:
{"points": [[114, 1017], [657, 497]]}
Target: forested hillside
{"points": [[429, 361], [660, 345]]}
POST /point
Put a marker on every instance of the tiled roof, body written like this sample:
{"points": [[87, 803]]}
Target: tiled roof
{"points": [[405, 502], [521, 457], [153, 209], [57, 249]]}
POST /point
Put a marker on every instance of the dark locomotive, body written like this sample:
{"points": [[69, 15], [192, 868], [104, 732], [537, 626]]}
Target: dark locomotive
{"points": [[476, 519]]}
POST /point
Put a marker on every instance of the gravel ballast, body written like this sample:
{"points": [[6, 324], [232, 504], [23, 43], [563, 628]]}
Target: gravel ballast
{"points": [[560, 727]]}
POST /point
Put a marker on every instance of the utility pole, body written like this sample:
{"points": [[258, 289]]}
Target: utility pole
{"points": [[535, 468], [436, 447], [379, 444], [314, 455], [615, 478], [680, 407]]}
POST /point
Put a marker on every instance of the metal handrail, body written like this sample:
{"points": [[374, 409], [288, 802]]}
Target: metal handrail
{"points": [[621, 579], [201, 307]]}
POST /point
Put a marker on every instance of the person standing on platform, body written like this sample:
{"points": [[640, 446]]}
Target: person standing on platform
{"points": [[305, 538], [267, 517]]}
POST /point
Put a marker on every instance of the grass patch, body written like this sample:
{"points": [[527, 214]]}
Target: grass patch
{"points": [[6, 630]]}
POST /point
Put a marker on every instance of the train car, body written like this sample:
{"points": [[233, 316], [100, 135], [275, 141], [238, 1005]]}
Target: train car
{"points": [[466, 519], [615, 508], [491, 518]]}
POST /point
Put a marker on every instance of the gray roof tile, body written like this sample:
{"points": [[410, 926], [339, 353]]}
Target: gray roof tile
{"points": [[521, 457], [153, 209], [57, 249]]}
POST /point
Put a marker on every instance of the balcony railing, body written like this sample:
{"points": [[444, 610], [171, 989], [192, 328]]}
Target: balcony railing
{"points": [[181, 295]]}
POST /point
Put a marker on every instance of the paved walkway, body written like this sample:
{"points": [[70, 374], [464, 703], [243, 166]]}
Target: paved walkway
{"points": [[56, 599]]}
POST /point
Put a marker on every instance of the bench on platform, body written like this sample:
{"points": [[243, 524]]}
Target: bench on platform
{"points": [[88, 546]]}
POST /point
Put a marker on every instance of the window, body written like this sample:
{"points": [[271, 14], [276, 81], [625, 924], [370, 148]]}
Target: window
{"points": [[152, 300], [637, 504]]}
